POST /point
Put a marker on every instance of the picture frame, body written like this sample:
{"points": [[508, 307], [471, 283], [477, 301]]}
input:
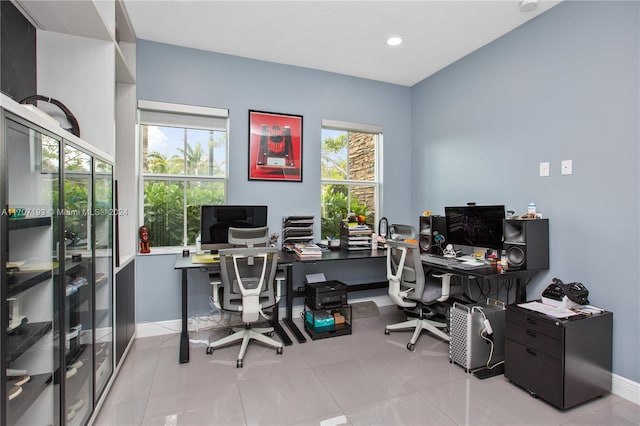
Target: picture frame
{"points": [[275, 146]]}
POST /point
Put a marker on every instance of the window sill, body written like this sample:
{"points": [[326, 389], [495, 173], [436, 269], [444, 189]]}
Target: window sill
{"points": [[159, 251]]}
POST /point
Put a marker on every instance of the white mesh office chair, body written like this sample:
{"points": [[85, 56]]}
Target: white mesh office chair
{"points": [[247, 287], [254, 237], [249, 237], [410, 289]]}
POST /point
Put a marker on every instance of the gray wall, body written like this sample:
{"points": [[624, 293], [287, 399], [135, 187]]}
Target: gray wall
{"points": [[174, 74], [563, 86]]}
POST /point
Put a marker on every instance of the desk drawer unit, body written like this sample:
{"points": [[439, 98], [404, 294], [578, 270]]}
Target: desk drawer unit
{"points": [[563, 361]]}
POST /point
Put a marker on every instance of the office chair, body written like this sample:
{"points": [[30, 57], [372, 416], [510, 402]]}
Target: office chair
{"points": [[247, 287], [411, 290], [254, 237], [249, 237]]}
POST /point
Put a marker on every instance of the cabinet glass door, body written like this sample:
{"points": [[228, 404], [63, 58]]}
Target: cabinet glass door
{"points": [[103, 281], [32, 276], [78, 281]]}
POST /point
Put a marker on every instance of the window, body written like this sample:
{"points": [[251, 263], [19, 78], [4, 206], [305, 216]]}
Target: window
{"points": [[350, 175], [184, 158]]}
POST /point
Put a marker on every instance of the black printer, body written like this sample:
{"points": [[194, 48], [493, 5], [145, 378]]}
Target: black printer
{"points": [[325, 294]]}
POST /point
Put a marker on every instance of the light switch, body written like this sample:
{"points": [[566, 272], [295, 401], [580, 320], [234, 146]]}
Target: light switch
{"points": [[567, 167], [544, 168]]}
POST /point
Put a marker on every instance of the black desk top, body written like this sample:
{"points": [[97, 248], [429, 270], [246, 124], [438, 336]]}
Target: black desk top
{"points": [[288, 257], [183, 262], [492, 271]]}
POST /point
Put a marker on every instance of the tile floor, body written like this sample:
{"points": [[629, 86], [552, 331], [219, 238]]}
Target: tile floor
{"points": [[366, 378]]}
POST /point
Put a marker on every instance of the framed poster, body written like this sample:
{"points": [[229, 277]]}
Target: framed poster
{"points": [[275, 146]]}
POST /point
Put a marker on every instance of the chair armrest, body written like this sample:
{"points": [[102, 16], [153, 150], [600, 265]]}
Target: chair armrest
{"points": [[280, 279], [446, 285], [214, 280]]}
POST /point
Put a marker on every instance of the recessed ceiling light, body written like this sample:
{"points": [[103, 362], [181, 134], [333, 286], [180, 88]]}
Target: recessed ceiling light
{"points": [[528, 5], [394, 41]]}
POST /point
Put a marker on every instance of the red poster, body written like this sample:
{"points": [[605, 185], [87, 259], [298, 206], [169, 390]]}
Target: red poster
{"points": [[275, 146]]}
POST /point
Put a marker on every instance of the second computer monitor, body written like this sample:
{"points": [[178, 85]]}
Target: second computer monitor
{"points": [[215, 222]]}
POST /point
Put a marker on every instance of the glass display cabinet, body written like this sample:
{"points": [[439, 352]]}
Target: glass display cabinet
{"points": [[31, 271], [56, 323]]}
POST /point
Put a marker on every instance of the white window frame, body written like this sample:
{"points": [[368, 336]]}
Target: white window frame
{"points": [[377, 183], [182, 116]]}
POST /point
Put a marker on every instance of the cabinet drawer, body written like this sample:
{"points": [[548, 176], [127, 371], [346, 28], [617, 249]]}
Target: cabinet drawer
{"points": [[534, 322], [535, 340], [534, 371]]}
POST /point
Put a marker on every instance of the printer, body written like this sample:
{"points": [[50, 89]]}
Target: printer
{"points": [[322, 294]]}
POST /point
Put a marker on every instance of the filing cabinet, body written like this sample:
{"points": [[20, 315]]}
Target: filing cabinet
{"points": [[563, 361]]}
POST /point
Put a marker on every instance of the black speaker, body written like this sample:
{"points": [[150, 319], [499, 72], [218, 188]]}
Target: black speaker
{"points": [[526, 243], [432, 234]]}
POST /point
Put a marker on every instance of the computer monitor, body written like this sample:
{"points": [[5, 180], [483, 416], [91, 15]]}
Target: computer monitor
{"points": [[215, 222], [475, 226]]}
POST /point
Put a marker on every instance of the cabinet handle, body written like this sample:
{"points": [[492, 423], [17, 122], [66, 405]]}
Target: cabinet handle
{"points": [[530, 352], [531, 333]]}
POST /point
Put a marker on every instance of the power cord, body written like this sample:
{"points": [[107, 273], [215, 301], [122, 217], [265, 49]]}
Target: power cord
{"points": [[487, 335]]}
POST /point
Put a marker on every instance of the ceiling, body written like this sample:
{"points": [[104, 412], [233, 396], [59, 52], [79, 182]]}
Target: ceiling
{"points": [[345, 37]]}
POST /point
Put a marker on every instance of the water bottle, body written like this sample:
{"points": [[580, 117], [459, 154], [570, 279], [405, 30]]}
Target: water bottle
{"points": [[198, 245]]}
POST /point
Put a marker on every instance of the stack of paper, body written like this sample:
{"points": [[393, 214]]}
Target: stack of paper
{"points": [[307, 250]]}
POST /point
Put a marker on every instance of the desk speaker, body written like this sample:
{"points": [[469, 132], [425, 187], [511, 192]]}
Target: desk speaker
{"points": [[432, 234], [526, 243]]}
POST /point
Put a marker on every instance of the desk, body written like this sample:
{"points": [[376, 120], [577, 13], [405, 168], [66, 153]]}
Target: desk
{"points": [[338, 255], [184, 264], [521, 277]]}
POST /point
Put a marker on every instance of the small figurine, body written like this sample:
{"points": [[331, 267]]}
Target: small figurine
{"points": [[144, 240], [273, 239]]}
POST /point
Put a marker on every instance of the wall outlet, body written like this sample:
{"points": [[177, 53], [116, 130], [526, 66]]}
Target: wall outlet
{"points": [[567, 167], [544, 168]]}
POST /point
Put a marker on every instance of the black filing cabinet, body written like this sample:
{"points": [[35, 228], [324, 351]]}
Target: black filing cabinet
{"points": [[563, 361]]}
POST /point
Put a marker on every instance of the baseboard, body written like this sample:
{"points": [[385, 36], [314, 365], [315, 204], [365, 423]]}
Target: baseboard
{"points": [[161, 328], [158, 328], [625, 388]]}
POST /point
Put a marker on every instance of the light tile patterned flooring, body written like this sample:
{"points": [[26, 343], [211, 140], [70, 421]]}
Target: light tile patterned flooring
{"points": [[366, 378]]}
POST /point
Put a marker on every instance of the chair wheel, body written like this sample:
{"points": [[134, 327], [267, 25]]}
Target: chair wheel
{"points": [[209, 351], [279, 351], [239, 363], [386, 331], [411, 346]]}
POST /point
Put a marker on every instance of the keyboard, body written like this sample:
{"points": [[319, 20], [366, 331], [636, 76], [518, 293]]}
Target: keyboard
{"points": [[435, 259]]}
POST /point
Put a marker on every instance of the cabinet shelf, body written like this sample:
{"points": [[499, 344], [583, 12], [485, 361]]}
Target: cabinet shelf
{"points": [[30, 392], [30, 222], [24, 337], [17, 282]]}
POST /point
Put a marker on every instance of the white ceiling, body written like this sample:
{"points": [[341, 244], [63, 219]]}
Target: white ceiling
{"points": [[345, 37]]}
